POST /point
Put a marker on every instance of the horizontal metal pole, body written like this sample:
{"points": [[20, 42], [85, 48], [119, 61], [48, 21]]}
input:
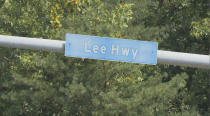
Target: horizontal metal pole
{"points": [[183, 59], [163, 57], [32, 43]]}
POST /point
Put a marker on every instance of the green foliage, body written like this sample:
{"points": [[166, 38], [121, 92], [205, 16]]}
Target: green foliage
{"points": [[48, 84], [201, 29]]}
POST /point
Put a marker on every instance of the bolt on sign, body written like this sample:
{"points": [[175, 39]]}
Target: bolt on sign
{"points": [[113, 49]]}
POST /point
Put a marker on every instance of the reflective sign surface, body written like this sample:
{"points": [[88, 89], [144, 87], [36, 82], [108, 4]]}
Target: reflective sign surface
{"points": [[103, 48]]}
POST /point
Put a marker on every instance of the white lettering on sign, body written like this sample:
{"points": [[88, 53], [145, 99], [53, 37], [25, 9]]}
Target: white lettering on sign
{"points": [[103, 49], [95, 48], [86, 47], [114, 50], [125, 51], [134, 53]]}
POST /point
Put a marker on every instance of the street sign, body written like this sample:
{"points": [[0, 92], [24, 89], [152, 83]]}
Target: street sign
{"points": [[114, 49]]}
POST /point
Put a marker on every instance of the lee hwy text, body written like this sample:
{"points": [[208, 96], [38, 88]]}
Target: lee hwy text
{"points": [[114, 50]]}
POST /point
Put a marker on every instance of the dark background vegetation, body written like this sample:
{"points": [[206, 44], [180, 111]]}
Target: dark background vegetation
{"points": [[36, 83]]}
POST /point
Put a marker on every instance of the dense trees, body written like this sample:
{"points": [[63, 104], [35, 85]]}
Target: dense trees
{"points": [[41, 83]]}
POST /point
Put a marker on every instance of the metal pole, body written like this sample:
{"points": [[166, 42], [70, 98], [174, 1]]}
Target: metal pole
{"points": [[32, 43], [163, 57], [183, 59]]}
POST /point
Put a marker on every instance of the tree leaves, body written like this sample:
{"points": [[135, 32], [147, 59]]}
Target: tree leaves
{"points": [[41, 83]]}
